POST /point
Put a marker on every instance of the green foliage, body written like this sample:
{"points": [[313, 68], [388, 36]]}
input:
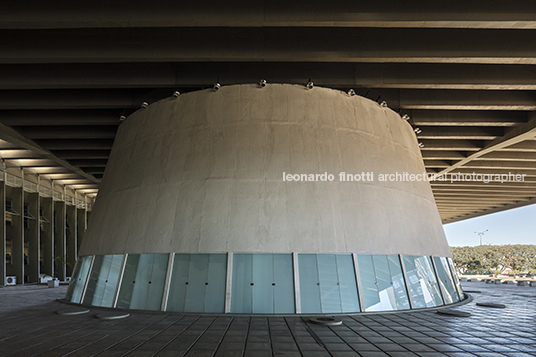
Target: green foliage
{"points": [[485, 259]]}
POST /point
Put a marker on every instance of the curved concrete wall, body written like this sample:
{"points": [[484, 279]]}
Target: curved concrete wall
{"points": [[204, 173]]}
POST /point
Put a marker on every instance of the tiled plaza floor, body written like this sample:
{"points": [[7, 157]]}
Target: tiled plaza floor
{"points": [[29, 326]]}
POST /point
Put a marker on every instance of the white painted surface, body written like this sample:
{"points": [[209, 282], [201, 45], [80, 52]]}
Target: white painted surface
{"points": [[204, 173]]}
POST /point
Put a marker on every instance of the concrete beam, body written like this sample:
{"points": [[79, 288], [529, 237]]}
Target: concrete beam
{"points": [[436, 163], [516, 135], [89, 162], [10, 135], [453, 14], [490, 194], [73, 144], [489, 210], [467, 99], [444, 145], [259, 44], [7, 154], [467, 118], [441, 155], [525, 146], [53, 117], [194, 74], [30, 163], [68, 132], [79, 99], [456, 132], [80, 154], [494, 171]]}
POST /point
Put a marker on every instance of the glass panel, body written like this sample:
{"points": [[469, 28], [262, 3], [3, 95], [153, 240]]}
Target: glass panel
{"points": [[198, 283], [327, 283], [397, 280], [263, 273], [242, 290], [129, 279], [382, 281], [143, 282], [450, 295], [262, 283], [179, 283], [76, 287], [330, 296], [455, 278], [422, 282], [347, 283], [103, 279], [215, 293], [284, 284], [309, 284], [197, 280], [371, 298]]}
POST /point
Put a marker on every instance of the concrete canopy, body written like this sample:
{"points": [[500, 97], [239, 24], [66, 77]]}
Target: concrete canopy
{"points": [[463, 72]]}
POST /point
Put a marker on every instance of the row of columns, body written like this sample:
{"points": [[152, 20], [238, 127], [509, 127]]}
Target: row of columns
{"points": [[40, 232]]}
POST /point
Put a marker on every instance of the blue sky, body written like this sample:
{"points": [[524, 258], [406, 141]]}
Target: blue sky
{"points": [[515, 226]]}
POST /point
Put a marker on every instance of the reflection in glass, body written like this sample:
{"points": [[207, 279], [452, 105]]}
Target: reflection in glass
{"points": [[142, 287], [198, 283], [455, 278], [78, 280], [262, 283], [327, 283], [422, 281], [103, 280], [446, 282], [382, 282]]}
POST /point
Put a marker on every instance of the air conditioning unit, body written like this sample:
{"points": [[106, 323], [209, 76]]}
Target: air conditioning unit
{"points": [[11, 280]]}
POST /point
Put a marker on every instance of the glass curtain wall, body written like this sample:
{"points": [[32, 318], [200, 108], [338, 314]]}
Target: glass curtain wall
{"points": [[264, 283]]}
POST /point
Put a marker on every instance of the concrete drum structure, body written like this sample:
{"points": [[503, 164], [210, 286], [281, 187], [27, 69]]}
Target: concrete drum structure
{"points": [[194, 213]]}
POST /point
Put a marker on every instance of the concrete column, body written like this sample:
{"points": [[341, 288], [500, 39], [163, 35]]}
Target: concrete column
{"points": [[31, 236], [14, 234], [3, 228], [71, 237], [60, 250], [47, 235], [81, 225]]}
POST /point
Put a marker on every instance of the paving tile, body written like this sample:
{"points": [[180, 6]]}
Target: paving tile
{"points": [[34, 330], [338, 347]]}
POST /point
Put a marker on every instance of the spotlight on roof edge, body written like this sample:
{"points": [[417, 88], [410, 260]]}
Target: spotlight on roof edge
{"points": [[417, 130], [383, 104], [144, 105], [122, 118], [216, 87], [262, 83], [405, 117], [351, 92], [176, 94], [421, 145], [310, 84]]}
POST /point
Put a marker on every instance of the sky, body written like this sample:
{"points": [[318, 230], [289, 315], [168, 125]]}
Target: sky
{"points": [[515, 226]]}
